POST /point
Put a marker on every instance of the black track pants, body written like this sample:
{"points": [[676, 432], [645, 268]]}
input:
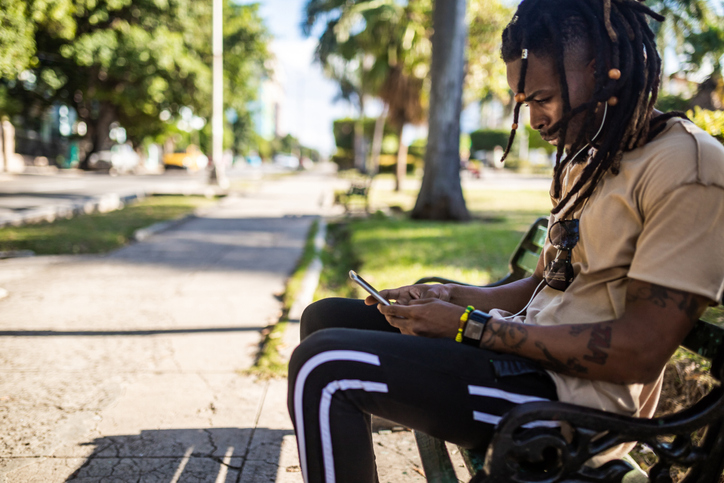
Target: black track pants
{"points": [[352, 364]]}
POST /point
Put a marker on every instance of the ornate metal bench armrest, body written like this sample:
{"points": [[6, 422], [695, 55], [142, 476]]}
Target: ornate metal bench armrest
{"points": [[526, 447]]}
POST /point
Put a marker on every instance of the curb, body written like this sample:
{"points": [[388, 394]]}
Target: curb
{"points": [[16, 254], [145, 233], [101, 204], [290, 337]]}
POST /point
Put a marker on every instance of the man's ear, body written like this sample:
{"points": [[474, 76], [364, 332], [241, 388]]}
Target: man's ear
{"points": [[591, 67], [591, 73]]}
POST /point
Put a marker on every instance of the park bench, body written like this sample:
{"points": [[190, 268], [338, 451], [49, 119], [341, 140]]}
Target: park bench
{"points": [[357, 194], [543, 454]]}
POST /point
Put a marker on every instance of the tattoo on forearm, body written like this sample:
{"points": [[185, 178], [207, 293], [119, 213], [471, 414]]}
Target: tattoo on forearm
{"points": [[660, 296], [571, 366], [600, 339], [511, 335], [579, 329]]}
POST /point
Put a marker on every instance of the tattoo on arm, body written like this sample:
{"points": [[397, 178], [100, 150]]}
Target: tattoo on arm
{"points": [[660, 296], [600, 339], [571, 366], [511, 335], [579, 329]]}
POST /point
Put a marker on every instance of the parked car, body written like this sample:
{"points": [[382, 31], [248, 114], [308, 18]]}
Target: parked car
{"points": [[120, 159], [190, 159]]}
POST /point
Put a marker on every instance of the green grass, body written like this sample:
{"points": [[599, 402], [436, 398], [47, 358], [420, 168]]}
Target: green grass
{"points": [[391, 251], [98, 232]]}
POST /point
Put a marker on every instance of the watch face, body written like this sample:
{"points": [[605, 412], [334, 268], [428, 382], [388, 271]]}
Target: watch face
{"points": [[473, 330]]}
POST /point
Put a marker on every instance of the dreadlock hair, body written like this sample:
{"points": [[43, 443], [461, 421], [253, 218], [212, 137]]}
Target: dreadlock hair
{"points": [[627, 75]]}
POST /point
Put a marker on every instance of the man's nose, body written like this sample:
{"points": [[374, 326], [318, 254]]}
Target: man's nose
{"points": [[538, 121]]}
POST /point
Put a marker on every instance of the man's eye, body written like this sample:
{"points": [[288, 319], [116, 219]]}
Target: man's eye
{"points": [[540, 102]]}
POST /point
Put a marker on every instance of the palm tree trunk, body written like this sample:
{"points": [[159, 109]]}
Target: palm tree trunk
{"points": [[401, 171], [441, 195], [2, 147], [360, 147], [377, 140]]}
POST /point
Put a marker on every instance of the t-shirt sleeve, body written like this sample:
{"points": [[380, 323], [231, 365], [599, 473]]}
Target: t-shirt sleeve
{"points": [[681, 245]]}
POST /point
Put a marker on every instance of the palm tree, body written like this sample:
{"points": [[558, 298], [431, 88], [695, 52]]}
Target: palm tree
{"points": [[348, 52], [368, 46], [402, 95], [693, 28], [441, 196]]}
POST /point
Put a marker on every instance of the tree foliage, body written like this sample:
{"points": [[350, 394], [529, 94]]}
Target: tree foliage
{"points": [[486, 72], [128, 61], [693, 28]]}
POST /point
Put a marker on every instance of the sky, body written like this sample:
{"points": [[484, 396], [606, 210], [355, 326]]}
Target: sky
{"points": [[310, 105], [309, 109]]}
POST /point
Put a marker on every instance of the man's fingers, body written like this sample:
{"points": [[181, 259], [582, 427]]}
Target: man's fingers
{"points": [[394, 310], [370, 300], [390, 293], [423, 301]]}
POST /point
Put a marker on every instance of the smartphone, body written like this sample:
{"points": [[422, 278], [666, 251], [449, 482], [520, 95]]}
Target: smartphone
{"points": [[353, 275]]}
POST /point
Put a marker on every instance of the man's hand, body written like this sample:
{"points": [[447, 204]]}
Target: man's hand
{"points": [[405, 295], [424, 317]]}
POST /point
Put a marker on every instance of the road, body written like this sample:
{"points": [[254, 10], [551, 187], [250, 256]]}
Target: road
{"points": [[38, 197]]}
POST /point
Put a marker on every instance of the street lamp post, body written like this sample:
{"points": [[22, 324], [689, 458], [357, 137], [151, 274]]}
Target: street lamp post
{"points": [[218, 175]]}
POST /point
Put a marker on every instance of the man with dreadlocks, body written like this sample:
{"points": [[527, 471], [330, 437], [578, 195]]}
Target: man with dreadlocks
{"points": [[634, 255]]}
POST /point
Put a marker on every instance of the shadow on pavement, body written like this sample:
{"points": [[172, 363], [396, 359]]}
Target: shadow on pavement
{"points": [[217, 455], [106, 333]]}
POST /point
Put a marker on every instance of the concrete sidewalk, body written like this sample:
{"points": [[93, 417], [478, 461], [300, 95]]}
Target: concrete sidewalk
{"points": [[129, 366], [126, 367]]}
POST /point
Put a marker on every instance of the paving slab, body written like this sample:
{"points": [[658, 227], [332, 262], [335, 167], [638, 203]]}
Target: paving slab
{"points": [[129, 366]]}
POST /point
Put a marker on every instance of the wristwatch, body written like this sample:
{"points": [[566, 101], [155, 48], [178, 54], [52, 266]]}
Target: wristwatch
{"points": [[473, 332]]}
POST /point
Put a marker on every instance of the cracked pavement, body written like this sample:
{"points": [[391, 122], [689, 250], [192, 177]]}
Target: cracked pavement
{"points": [[128, 367]]}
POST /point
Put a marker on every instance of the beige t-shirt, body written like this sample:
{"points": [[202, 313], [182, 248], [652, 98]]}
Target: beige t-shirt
{"points": [[660, 220]]}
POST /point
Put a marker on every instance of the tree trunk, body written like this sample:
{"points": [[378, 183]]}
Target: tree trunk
{"points": [[441, 195], [2, 148], [99, 131], [401, 171], [377, 140], [360, 146]]}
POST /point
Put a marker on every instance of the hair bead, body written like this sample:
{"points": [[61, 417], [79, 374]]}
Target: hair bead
{"points": [[612, 101], [520, 98], [524, 54], [515, 125], [614, 74]]}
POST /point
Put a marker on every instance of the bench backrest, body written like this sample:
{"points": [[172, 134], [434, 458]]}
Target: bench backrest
{"points": [[524, 260]]}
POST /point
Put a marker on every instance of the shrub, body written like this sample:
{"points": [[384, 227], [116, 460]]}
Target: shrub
{"points": [[710, 121]]}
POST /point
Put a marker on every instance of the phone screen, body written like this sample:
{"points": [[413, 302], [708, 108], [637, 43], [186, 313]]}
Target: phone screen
{"points": [[362, 283]]}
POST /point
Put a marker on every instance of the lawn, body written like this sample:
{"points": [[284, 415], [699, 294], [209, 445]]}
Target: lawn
{"points": [[98, 232], [392, 251]]}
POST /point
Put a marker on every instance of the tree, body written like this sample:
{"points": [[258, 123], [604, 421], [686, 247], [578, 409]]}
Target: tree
{"points": [[486, 73], [694, 30], [441, 196], [367, 46], [128, 61]]}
